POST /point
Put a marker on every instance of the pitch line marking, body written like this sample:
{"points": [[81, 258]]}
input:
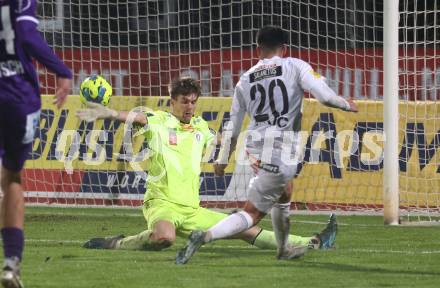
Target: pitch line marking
{"points": [[136, 215], [139, 214], [427, 252]]}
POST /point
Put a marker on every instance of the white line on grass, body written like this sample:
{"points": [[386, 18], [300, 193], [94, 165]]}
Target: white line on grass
{"points": [[137, 214], [60, 241], [377, 251], [392, 251], [85, 214]]}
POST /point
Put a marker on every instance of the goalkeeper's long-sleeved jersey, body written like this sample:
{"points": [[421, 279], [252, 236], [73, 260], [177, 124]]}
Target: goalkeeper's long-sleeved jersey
{"points": [[176, 155]]}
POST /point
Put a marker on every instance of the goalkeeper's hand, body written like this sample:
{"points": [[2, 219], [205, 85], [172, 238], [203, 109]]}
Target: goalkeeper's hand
{"points": [[96, 111], [353, 106]]}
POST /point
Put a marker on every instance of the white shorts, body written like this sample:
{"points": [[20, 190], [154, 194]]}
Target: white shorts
{"points": [[267, 186], [272, 173]]}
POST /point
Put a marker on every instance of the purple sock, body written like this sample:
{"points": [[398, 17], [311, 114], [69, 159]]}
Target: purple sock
{"points": [[13, 242]]}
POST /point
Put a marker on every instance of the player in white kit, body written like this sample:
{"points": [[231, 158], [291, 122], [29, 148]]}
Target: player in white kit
{"points": [[271, 92]]}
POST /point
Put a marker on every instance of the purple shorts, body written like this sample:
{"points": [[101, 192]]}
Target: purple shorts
{"points": [[17, 128]]}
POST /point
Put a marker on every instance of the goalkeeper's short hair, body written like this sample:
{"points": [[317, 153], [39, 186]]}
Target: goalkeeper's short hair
{"points": [[184, 86]]}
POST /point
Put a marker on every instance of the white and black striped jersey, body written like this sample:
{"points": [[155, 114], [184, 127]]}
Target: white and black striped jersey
{"points": [[272, 91]]}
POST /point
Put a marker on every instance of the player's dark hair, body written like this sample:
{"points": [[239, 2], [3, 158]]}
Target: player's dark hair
{"points": [[184, 86], [271, 37]]}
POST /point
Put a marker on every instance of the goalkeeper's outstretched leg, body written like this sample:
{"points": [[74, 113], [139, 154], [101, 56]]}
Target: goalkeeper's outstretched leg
{"points": [[163, 235]]}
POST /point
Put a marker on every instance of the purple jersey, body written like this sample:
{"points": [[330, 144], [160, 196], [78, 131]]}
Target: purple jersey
{"points": [[20, 41]]}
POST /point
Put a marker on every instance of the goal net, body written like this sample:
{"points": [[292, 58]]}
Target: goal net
{"points": [[419, 129], [139, 46]]}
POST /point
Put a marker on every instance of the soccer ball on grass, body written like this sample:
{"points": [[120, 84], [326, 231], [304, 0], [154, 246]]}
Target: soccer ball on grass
{"points": [[95, 89]]}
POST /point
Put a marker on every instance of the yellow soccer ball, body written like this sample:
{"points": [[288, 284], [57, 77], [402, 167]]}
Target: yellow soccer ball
{"points": [[95, 89]]}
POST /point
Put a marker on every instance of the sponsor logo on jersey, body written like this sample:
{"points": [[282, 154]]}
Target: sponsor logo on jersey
{"points": [[198, 136], [269, 167], [315, 74], [172, 137], [10, 68], [265, 73]]}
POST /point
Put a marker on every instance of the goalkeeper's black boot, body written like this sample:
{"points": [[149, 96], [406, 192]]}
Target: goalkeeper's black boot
{"points": [[10, 277], [327, 237], [103, 243]]}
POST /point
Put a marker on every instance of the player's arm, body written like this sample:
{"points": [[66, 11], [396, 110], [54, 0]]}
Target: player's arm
{"points": [[35, 46], [315, 84], [97, 111], [231, 132]]}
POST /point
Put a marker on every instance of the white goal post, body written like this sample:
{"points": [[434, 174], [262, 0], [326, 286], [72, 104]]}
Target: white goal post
{"points": [[383, 54], [391, 112]]}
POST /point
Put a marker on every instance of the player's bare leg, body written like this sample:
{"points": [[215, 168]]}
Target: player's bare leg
{"points": [[12, 227], [13, 200], [162, 236]]}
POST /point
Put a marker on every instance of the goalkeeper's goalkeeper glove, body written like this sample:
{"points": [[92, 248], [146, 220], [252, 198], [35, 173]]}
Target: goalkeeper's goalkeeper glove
{"points": [[96, 111]]}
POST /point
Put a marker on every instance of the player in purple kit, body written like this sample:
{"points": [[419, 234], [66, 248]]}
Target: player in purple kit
{"points": [[20, 103]]}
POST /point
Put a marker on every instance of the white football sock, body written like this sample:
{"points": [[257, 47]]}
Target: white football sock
{"points": [[281, 224], [230, 226]]}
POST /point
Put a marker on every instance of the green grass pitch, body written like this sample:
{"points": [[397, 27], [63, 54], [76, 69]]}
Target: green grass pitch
{"points": [[367, 255]]}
